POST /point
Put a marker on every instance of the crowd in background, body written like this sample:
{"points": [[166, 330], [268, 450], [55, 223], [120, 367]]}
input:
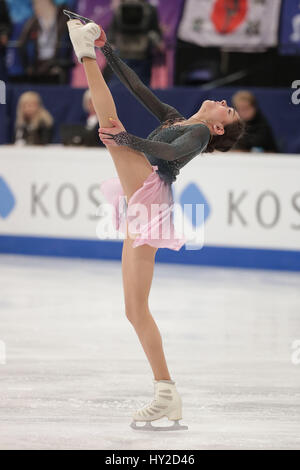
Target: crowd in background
{"points": [[46, 56], [5, 31]]}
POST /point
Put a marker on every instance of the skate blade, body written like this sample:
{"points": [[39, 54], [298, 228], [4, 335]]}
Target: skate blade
{"points": [[149, 427], [74, 16]]}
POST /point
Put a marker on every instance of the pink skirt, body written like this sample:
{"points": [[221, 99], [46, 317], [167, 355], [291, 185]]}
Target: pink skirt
{"points": [[149, 213]]}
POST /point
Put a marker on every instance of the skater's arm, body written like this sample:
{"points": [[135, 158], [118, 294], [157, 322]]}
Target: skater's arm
{"points": [[129, 78], [192, 141]]}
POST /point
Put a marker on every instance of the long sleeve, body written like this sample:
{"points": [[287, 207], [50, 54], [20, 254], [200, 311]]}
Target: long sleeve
{"points": [[191, 142], [129, 78]]}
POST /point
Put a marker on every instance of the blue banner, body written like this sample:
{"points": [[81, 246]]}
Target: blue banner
{"points": [[290, 28]]}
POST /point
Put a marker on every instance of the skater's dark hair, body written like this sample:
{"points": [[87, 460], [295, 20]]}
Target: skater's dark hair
{"points": [[232, 134]]}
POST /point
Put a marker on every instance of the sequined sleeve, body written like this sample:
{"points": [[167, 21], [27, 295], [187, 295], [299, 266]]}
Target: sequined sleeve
{"points": [[129, 78], [194, 140]]}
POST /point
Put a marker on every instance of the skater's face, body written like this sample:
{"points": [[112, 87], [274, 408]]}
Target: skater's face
{"points": [[219, 112]]}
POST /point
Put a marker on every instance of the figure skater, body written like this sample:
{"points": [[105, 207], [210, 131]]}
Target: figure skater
{"points": [[146, 169]]}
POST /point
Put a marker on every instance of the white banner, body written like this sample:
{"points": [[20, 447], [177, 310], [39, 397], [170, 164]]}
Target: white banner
{"points": [[250, 200], [231, 24], [52, 191]]}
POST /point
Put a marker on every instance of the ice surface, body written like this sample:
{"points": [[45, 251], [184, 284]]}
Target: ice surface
{"points": [[75, 370]]}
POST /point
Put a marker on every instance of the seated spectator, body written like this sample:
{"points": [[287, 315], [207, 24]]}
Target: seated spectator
{"points": [[83, 134], [92, 124], [259, 135], [45, 48], [34, 124], [5, 30]]}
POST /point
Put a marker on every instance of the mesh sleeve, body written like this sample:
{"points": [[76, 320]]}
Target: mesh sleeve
{"points": [[129, 78], [187, 145]]}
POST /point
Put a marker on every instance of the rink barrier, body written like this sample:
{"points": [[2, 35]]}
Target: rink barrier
{"points": [[283, 260]]}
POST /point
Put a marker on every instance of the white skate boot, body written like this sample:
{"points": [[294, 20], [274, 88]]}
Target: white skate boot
{"points": [[83, 38], [167, 403]]}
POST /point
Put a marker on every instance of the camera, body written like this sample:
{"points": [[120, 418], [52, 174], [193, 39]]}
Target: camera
{"points": [[133, 17]]}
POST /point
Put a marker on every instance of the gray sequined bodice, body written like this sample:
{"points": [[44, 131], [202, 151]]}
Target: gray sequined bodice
{"points": [[168, 170], [169, 146]]}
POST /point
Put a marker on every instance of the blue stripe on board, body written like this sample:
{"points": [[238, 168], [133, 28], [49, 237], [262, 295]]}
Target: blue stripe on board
{"points": [[208, 256]]}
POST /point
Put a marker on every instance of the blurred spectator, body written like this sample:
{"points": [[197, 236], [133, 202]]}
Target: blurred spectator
{"points": [[34, 124], [259, 135], [92, 123], [83, 134], [134, 33], [5, 30], [45, 47]]}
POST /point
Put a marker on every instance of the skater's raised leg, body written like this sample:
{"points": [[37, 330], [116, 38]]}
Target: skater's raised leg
{"points": [[132, 167]]}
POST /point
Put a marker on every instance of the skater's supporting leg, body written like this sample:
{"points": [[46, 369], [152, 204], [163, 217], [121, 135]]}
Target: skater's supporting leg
{"points": [[137, 267]]}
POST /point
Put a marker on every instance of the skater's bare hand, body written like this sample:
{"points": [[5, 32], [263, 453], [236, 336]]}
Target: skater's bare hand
{"points": [[102, 40]]}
